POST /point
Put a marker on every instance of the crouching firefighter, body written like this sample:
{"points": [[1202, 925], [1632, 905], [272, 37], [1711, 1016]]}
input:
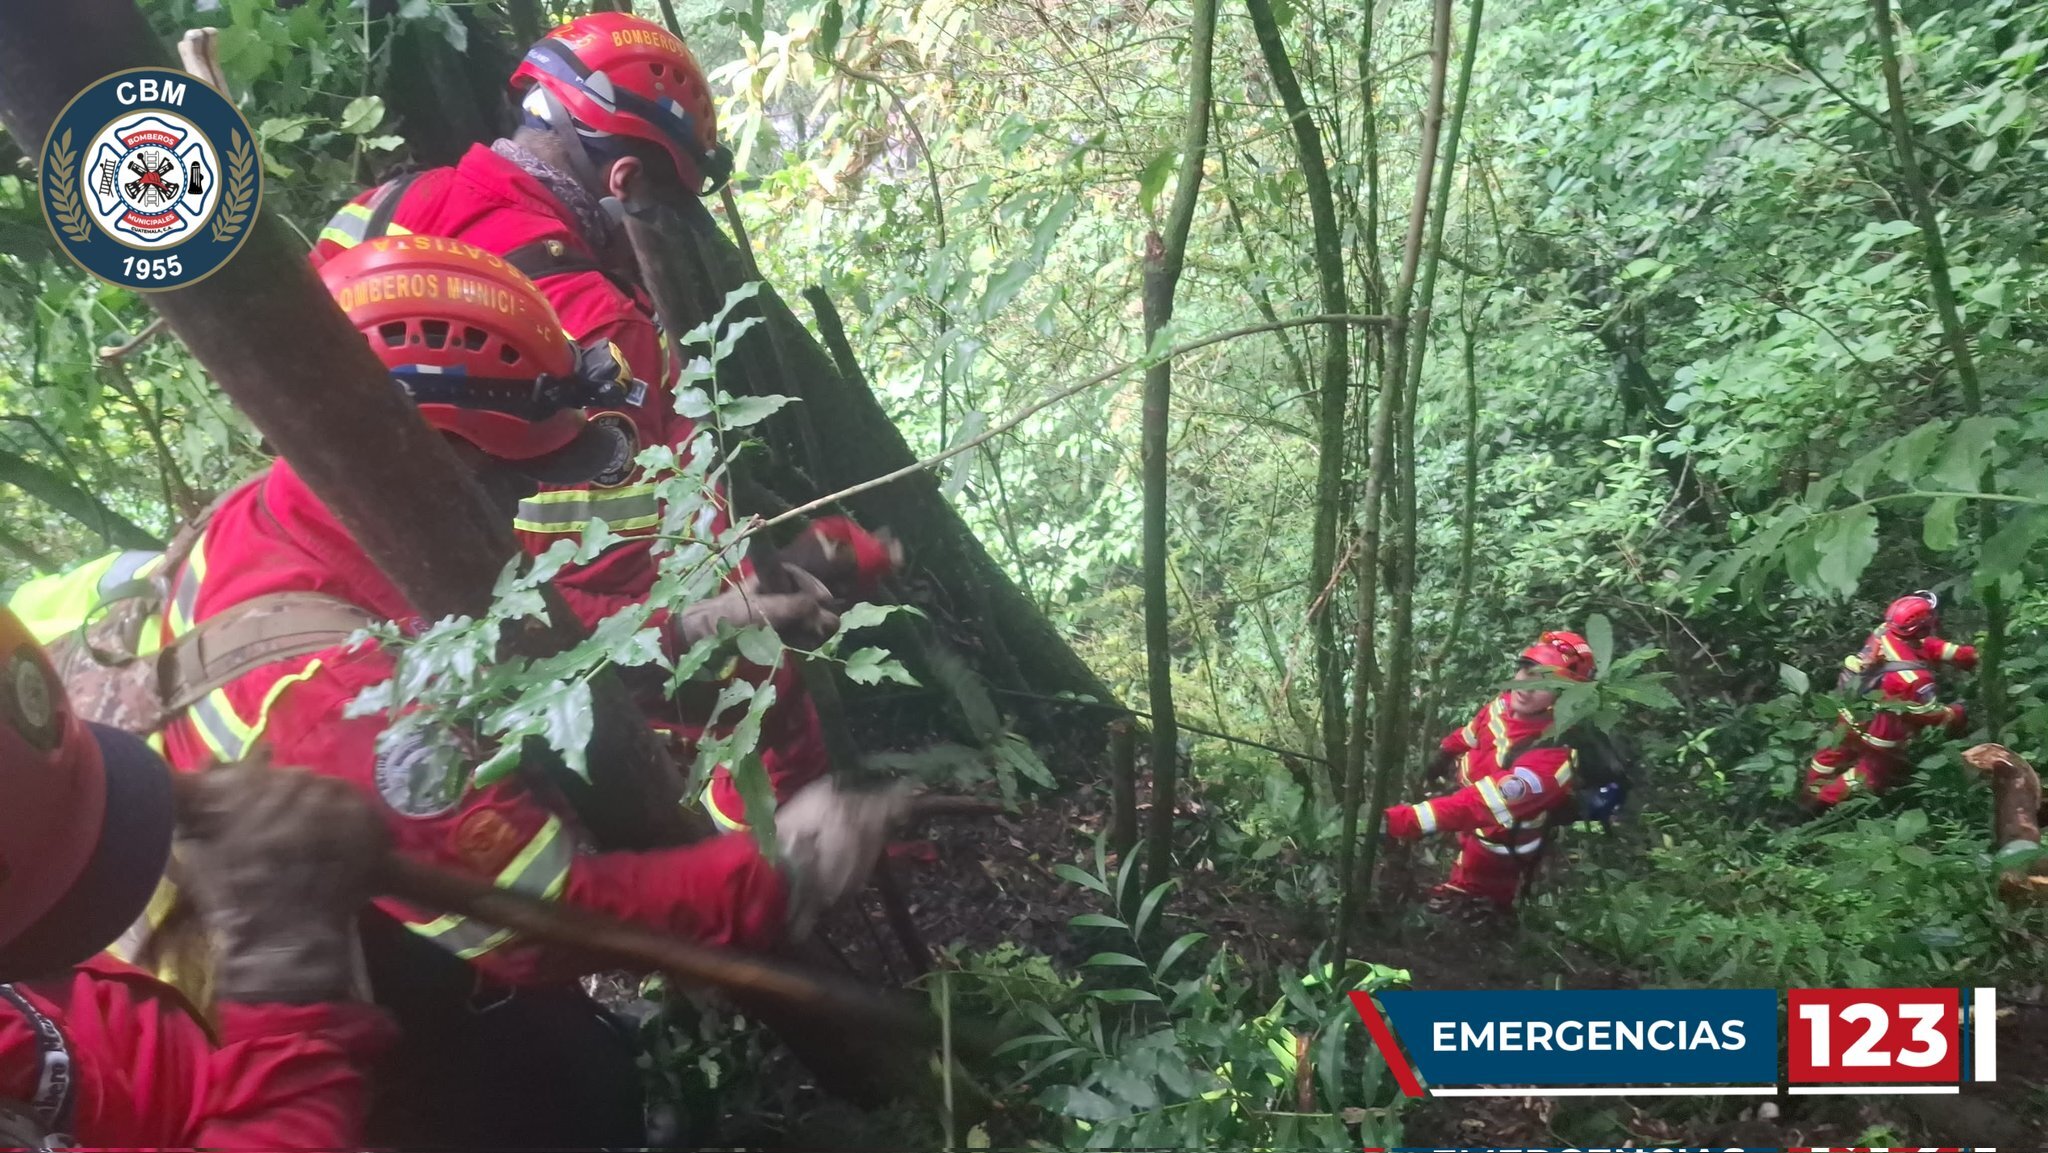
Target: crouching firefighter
{"points": [[502, 1047], [97, 1053], [1895, 671], [1515, 779]]}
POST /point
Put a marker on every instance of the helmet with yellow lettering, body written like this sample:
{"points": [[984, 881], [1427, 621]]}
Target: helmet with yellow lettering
{"points": [[480, 351], [86, 825], [618, 75]]}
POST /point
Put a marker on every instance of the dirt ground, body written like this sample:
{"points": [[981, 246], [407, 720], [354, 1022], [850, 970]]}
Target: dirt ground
{"points": [[986, 881]]}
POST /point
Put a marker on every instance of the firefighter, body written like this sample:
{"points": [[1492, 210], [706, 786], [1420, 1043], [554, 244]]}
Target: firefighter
{"points": [[613, 107], [95, 1052], [1896, 666], [1510, 782], [502, 1046]]}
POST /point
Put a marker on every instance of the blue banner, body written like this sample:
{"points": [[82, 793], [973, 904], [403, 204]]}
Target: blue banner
{"points": [[1589, 1037]]}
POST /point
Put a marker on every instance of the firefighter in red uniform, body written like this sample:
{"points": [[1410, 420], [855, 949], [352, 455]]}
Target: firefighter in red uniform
{"points": [[95, 1052], [612, 106], [488, 364], [1509, 783], [1896, 665]]}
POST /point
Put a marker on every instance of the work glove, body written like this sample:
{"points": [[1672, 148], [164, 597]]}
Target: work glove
{"points": [[803, 617], [1965, 658], [1440, 765], [1958, 719], [278, 862], [829, 838], [850, 560], [1403, 824]]}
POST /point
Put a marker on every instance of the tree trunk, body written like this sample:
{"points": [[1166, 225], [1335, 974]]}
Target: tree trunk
{"points": [[1023, 650], [1392, 756], [328, 406], [1165, 257], [1336, 374], [1991, 678], [1392, 387]]}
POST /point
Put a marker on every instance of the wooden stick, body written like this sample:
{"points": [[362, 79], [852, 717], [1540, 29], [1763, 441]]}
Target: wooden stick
{"points": [[817, 993]]}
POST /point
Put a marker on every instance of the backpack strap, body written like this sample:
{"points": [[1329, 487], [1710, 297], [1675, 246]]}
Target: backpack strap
{"points": [[56, 1100], [237, 641], [554, 258]]}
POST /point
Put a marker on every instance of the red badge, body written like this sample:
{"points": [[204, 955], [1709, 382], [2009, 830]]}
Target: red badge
{"points": [[486, 840]]}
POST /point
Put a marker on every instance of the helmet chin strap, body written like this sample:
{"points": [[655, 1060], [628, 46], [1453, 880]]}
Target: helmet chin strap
{"points": [[563, 125]]}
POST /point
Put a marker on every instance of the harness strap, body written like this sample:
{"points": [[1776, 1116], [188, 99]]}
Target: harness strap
{"points": [[554, 258], [56, 1100], [243, 638]]}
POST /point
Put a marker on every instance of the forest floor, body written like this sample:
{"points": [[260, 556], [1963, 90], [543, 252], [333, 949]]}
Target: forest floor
{"points": [[982, 883]]}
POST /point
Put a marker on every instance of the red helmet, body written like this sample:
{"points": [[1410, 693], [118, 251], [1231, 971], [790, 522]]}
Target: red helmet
{"points": [[480, 351], [85, 827], [1568, 653], [620, 75], [1914, 615]]}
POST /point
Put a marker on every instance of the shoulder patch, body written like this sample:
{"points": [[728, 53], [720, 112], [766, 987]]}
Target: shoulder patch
{"points": [[1513, 788], [416, 779], [618, 428], [486, 840]]}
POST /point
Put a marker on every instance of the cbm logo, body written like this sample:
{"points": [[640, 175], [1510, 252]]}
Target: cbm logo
{"points": [[150, 179]]}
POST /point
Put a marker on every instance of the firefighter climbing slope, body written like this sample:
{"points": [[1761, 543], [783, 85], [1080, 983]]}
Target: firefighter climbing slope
{"points": [[1894, 670], [94, 1052], [1511, 780]]}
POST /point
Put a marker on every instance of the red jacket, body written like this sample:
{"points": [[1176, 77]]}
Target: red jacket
{"points": [[146, 1074], [494, 204], [274, 535], [1504, 805]]}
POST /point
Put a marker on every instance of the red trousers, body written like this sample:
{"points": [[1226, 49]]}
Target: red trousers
{"points": [[1481, 872]]}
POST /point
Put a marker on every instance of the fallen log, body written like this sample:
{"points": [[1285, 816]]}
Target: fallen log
{"points": [[2015, 817], [269, 335]]}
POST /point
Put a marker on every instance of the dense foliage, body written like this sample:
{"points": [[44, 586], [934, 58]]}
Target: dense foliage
{"points": [[1686, 367]]}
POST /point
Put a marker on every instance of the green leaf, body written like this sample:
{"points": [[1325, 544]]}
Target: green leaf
{"points": [[1911, 452], [1072, 1101], [1152, 181], [2007, 549], [1969, 451], [1151, 905], [1794, 680], [1096, 921], [873, 666], [744, 411], [568, 718], [760, 645], [1179, 947], [960, 467], [363, 115], [1122, 996], [1938, 527], [831, 22], [284, 129], [1915, 856], [1845, 544], [1600, 637], [1082, 877], [1124, 960], [866, 615], [757, 795]]}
